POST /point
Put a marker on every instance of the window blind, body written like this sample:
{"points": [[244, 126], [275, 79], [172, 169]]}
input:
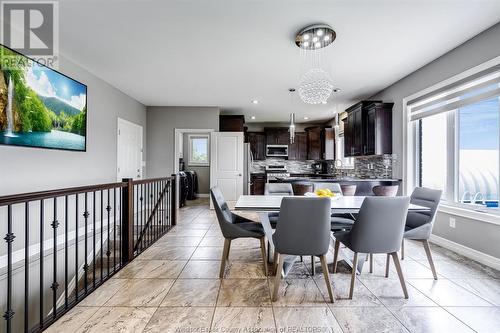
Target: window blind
{"points": [[481, 86]]}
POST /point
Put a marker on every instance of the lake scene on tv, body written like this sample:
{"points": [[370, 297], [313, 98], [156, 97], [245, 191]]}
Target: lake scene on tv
{"points": [[40, 107]]}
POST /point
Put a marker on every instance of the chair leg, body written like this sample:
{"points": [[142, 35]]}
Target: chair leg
{"points": [[277, 278], [263, 252], [313, 266], [371, 262], [387, 262], [353, 275], [403, 249], [400, 273], [225, 255], [275, 261], [429, 257], [326, 274], [335, 256]]}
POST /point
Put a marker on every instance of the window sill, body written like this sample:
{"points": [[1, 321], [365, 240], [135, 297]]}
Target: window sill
{"points": [[485, 215]]}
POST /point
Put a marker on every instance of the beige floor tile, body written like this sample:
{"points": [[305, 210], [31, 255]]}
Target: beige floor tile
{"points": [[73, 320], [312, 319], [341, 285], [207, 253], [187, 232], [489, 289], [200, 269], [367, 319], [446, 293], [482, 320], [152, 269], [104, 293], [179, 241], [243, 319], [192, 292], [244, 292], [298, 292], [217, 241], [159, 252], [141, 292], [244, 270], [180, 320], [429, 320], [118, 319]]}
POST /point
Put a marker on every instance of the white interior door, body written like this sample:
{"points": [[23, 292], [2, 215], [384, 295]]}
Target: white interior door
{"points": [[226, 164], [129, 150]]}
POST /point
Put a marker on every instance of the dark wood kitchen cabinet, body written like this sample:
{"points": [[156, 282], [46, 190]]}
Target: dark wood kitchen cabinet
{"points": [[368, 129], [315, 138], [298, 150], [231, 123], [257, 141], [257, 184], [277, 136]]}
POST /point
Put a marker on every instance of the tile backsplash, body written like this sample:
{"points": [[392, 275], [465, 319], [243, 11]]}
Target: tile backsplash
{"points": [[291, 166]]}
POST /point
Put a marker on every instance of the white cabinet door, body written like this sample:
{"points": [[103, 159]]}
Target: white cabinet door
{"points": [[226, 164], [129, 150]]}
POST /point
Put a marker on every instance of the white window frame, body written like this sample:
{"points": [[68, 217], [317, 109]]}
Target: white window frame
{"points": [[190, 148], [409, 162]]}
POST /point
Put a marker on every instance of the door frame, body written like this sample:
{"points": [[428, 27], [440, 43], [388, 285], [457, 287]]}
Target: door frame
{"points": [[124, 121], [182, 131]]}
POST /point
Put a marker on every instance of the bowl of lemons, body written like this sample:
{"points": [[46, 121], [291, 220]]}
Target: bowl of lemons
{"points": [[324, 192]]}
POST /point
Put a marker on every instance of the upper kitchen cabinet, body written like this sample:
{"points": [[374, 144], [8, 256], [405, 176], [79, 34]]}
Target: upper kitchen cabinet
{"points": [[320, 143], [368, 129], [378, 129], [298, 150], [257, 141], [277, 136], [231, 123]]}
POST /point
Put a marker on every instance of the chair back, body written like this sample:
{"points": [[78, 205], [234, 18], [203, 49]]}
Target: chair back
{"points": [[278, 189], [348, 190], [224, 215], [380, 225], [334, 187], [428, 198], [385, 190], [303, 226]]}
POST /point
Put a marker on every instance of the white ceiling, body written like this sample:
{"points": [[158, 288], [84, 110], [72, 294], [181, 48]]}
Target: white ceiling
{"points": [[227, 53]]}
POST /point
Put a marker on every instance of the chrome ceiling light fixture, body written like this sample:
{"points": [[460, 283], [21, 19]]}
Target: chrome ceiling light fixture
{"points": [[291, 128], [316, 85]]}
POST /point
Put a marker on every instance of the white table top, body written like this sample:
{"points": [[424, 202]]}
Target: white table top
{"points": [[270, 203]]}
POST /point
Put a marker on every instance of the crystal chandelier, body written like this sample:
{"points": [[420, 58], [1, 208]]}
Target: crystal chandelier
{"points": [[316, 85]]}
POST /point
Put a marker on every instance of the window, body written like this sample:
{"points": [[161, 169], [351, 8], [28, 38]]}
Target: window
{"points": [[199, 150], [457, 141]]}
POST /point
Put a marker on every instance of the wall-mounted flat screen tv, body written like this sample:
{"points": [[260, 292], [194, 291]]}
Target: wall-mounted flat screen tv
{"points": [[40, 107]]}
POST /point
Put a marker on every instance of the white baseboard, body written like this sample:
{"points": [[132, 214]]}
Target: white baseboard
{"points": [[202, 195], [481, 257]]}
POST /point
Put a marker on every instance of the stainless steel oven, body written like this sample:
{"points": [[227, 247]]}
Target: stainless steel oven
{"points": [[277, 150], [273, 172]]}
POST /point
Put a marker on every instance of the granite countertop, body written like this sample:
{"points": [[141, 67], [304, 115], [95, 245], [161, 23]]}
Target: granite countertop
{"points": [[344, 179]]}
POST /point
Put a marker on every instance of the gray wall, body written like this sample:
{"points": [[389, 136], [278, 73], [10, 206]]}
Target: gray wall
{"points": [[202, 172], [477, 235], [32, 169], [161, 123]]}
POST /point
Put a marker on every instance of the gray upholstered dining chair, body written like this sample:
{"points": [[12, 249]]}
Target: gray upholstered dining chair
{"points": [[379, 229], [303, 229], [419, 224], [234, 226], [339, 222], [385, 190], [276, 189]]}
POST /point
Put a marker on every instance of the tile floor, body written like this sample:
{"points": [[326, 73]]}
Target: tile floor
{"points": [[174, 287]]}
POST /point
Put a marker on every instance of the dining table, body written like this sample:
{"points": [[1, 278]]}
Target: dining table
{"points": [[265, 204]]}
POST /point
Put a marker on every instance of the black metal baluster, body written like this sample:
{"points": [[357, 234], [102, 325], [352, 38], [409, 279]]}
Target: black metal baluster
{"points": [[77, 216], [136, 216], [93, 238], [142, 213], [150, 215], [55, 285], [41, 263], [26, 264], [86, 266], [114, 229], [9, 238], [108, 253], [102, 249], [66, 240]]}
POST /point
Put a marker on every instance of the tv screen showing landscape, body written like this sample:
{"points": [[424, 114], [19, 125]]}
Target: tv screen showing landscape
{"points": [[40, 107]]}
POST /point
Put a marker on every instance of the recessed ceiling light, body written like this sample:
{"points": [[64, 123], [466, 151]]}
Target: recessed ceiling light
{"points": [[336, 90], [252, 117], [305, 118], [254, 101]]}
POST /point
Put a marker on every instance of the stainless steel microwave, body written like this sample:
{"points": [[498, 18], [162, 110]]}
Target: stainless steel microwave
{"points": [[277, 150]]}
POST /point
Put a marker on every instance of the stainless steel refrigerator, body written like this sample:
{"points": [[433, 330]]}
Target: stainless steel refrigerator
{"points": [[247, 162]]}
